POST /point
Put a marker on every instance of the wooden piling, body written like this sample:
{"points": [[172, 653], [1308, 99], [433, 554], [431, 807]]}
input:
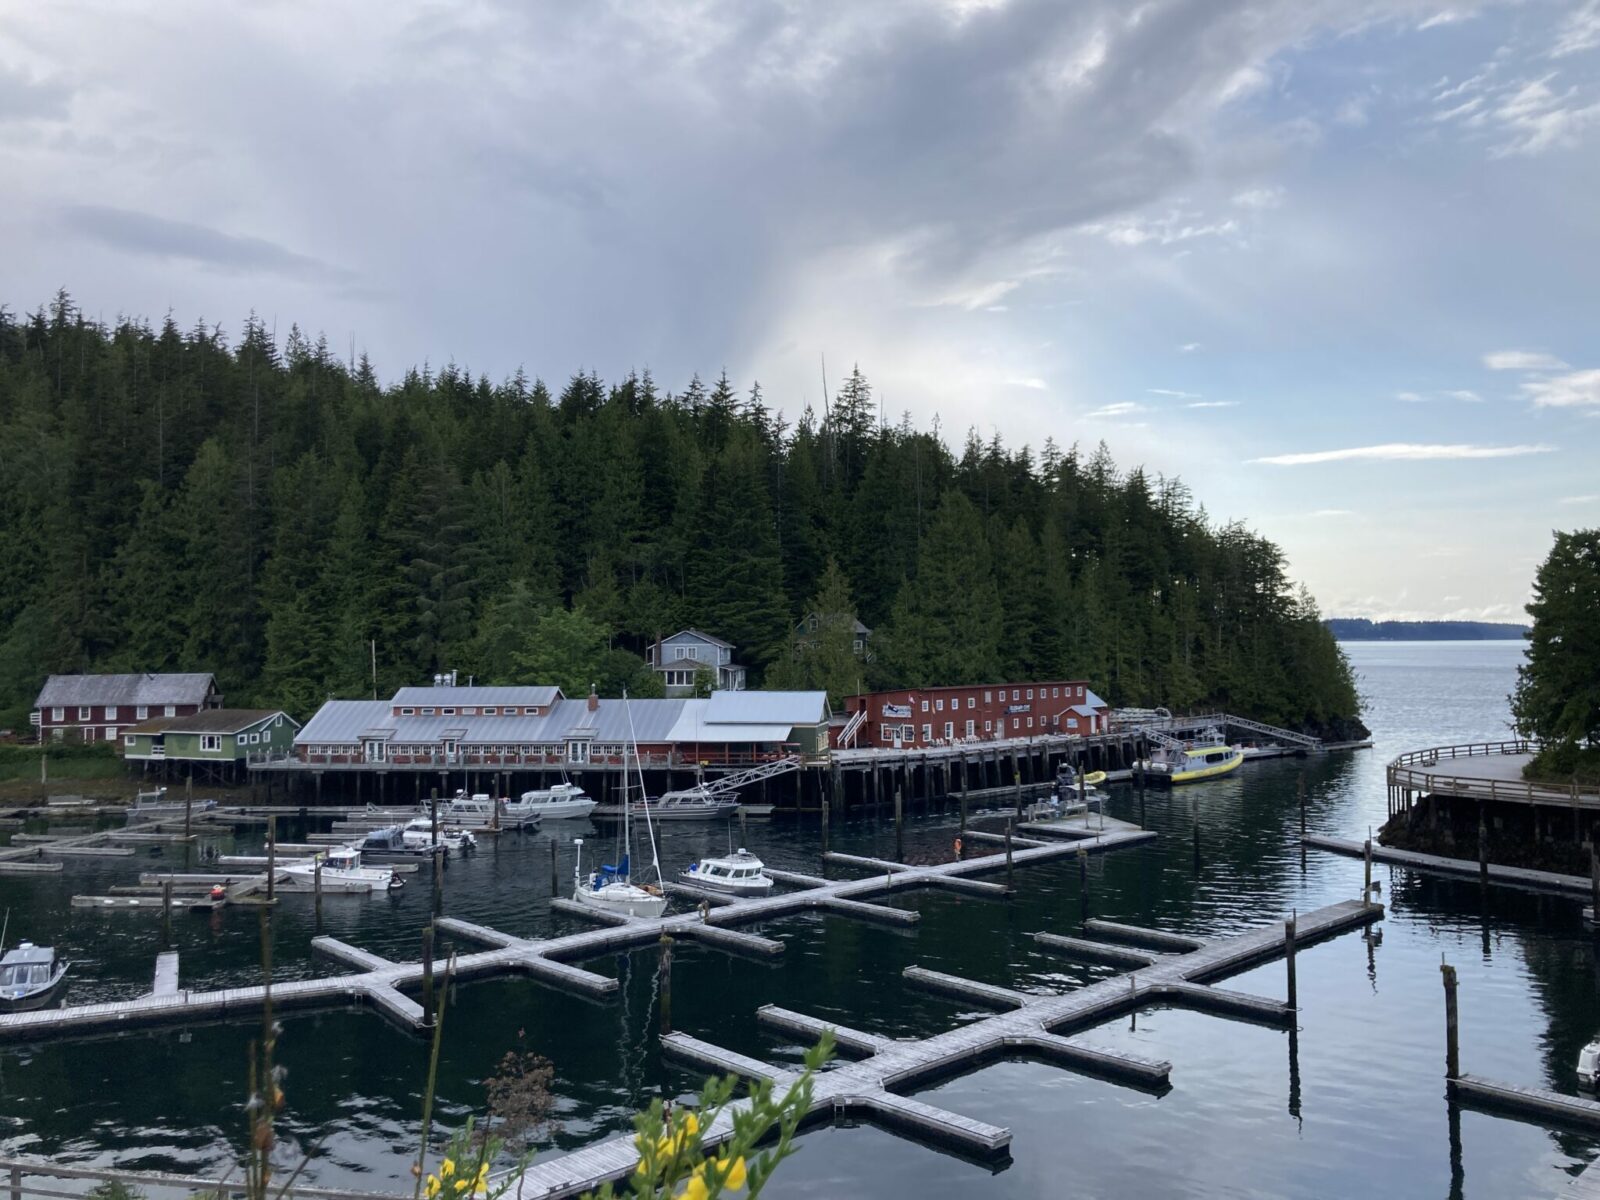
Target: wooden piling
{"points": [[1366, 873], [664, 971], [166, 915], [316, 890], [1083, 883], [1594, 885], [825, 828], [1008, 854], [188, 805], [1483, 843], [272, 856], [1288, 960], [1452, 1048], [427, 975], [555, 883], [899, 828]]}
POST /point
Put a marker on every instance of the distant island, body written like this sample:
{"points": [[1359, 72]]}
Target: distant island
{"points": [[1359, 629]]}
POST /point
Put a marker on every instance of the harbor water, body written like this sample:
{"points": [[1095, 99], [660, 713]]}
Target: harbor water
{"points": [[1355, 1107]]}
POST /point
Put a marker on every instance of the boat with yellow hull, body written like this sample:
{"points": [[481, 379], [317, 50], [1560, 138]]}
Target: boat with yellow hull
{"points": [[1207, 757]]}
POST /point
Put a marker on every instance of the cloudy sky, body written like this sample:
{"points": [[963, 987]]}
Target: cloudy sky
{"points": [[1331, 261]]}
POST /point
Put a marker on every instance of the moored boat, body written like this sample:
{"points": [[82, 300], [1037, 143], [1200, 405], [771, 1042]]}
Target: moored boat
{"points": [[342, 871], [1206, 757], [480, 808], [30, 977], [698, 803], [419, 831], [559, 802], [394, 843], [611, 888], [739, 874], [1589, 1065]]}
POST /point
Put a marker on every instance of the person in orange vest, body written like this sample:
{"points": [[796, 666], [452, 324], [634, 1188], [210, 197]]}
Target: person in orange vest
{"points": [[958, 845]]}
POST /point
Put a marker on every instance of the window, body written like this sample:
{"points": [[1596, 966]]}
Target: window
{"points": [[242, 740], [88, 733], [111, 733], [908, 733], [1055, 693], [988, 698], [58, 714], [924, 706], [129, 740], [1072, 722], [172, 710], [277, 722], [255, 739], [210, 741], [970, 728], [987, 726], [142, 712], [408, 712], [1030, 722], [681, 652], [938, 705], [447, 712], [111, 712], [469, 712], [972, 702], [949, 729], [427, 712], [489, 712], [84, 713], [1030, 693], [927, 733]]}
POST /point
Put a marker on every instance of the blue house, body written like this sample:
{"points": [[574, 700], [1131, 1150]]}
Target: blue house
{"points": [[677, 659]]}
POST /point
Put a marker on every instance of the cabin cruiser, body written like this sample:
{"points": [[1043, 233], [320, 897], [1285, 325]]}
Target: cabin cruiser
{"points": [[342, 871], [739, 874], [481, 808], [698, 803], [560, 801], [30, 978], [1204, 757], [419, 832], [393, 843]]}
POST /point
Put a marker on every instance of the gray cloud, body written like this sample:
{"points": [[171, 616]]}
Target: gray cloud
{"points": [[22, 97], [158, 237]]}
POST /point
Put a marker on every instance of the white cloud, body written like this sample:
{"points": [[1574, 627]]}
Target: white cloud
{"points": [[1124, 408], [1408, 397], [1591, 499], [1577, 389], [1448, 16], [1580, 31], [1176, 395], [1188, 347], [1261, 197], [1173, 228], [1463, 395], [1406, 451], [1213, 404], [1032, 383], [1332, 512], [1522, 360], [1535, 119]]}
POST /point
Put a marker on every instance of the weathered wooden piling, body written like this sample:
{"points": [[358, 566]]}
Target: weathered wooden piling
{"points": [[1452, 1049], [272, 856], [1483, 843], [166, 915], [664, 971], [1288, 959], [427, 975], [899, 826], [1594, 886], [1008, 854], [555, 882], [1366, 870], [1083, 883], [825, 828], [316, 890]]}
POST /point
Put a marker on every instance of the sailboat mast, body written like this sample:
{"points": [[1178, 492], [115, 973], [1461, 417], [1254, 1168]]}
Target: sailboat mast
{"points": [[655, 859]]}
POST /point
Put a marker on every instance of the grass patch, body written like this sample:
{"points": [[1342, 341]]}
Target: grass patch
{"points": [[67, 761]]}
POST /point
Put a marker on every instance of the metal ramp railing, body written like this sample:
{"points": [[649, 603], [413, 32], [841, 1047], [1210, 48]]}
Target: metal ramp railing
{"points": [[1225, 720], [847, 735], [766, 770]]}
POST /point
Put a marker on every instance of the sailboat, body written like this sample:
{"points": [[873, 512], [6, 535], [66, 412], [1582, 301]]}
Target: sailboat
{"points": [[612, 887]]}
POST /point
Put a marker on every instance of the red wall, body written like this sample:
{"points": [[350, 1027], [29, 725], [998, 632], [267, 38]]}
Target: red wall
{"points": [[1005, 717]]}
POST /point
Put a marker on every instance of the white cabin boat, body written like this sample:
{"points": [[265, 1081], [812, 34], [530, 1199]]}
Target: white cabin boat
{"points": [[698, 803], [480, 809], [560, 802], [738, 874], [30, 977], [1205, 757], [419, 832], [342, 871], [1589, 1066]]}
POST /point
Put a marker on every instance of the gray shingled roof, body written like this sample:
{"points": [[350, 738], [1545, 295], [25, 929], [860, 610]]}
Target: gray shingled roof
{"points": [[62, 691]]}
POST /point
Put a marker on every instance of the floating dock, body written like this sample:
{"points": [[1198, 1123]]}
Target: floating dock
{"points": [[1466, 868]]}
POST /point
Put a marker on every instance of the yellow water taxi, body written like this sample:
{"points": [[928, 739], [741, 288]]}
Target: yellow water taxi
{"points": [[1206, 757]]}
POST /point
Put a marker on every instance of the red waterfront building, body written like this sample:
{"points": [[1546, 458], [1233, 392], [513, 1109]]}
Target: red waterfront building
{"points": [[940, 716]]}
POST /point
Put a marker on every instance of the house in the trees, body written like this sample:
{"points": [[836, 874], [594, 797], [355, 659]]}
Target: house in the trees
{"points": [[217, 742], [97, 708], [807, 635], [677, 659]]}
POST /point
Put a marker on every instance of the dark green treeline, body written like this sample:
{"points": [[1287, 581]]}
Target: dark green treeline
{"points": [[188, 500]]}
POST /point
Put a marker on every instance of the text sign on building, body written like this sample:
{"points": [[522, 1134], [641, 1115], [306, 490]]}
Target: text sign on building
{"points": [[897, 710], [1019, 708]]}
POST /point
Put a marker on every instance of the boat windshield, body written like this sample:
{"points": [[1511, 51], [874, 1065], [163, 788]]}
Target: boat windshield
{"points": [[24, 974]]}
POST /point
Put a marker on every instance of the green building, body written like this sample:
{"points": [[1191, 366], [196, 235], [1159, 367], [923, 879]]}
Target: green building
{"points": [[216, 743]]}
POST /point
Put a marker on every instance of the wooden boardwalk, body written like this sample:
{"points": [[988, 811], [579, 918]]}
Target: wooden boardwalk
{"points": [[1033, 1026], [1434, 864]]}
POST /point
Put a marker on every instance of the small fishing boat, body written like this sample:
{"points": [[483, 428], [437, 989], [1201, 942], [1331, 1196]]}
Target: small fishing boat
{"points": [[419, 831], [740, 874], [698, 803], [1204, 757], [611, 888], [394, 843], [1589, 1065], [559, 802], [480, 808], [342, 871], [150, 806], [30, 978]]}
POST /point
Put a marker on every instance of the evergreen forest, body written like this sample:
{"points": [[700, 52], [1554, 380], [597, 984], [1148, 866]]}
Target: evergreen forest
{"points": [[204, 499]]}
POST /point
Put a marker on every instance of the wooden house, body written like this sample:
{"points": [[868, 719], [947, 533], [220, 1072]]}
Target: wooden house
{"points": [[218, 742], [677, 659], [96, 708]]}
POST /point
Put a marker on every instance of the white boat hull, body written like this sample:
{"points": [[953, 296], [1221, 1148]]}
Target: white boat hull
{"points": [[563, 810], [629, 899], [759, 886]]}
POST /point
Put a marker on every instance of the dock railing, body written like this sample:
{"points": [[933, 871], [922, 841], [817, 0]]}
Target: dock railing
{"points": [[1417, 771]]}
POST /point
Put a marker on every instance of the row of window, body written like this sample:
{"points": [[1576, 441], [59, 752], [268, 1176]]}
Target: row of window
{"points": [[491, 710], [86, 713], [1014, 694], [908, 733], [208, 741]]}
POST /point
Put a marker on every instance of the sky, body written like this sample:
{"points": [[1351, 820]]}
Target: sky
{"points": [[1331, 262]]}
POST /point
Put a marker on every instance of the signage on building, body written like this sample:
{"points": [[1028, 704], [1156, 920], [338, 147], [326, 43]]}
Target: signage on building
{"points": [[1016, 708], [897, 710]]}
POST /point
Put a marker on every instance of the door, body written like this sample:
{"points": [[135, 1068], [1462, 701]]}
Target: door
{"points": [[578, 752], [374, 750], [451, 750]]}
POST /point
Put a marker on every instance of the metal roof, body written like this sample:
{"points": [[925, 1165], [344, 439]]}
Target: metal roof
{"points": [[224, 720], [1092, 700], [538, 695], [343, 721], [767, 708], [693, 727], [701, 634], [28, 953], [62, 691]]}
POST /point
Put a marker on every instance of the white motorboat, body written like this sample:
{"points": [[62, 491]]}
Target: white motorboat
{"points": [[559, 802], [698, 803], [342, 871], [30, 977], [611, 888], [1589, 1065], [480, 808], [393, 844], [739, 874], [419, 832]]}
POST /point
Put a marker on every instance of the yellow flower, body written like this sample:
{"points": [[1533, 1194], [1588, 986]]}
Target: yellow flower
{"points": [[732, 1173], [696, 1188], [480, 1185], [462, 1185], [447, 1168], [433, 1186], [691, 1124]]}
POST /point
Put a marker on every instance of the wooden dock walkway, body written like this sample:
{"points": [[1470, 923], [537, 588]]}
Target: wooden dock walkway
{"points": [[872, 1087], [1434, 864]]}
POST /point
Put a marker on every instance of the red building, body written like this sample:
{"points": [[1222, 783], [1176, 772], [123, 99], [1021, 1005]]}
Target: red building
{"points": [[95, 708], [921, 717]]}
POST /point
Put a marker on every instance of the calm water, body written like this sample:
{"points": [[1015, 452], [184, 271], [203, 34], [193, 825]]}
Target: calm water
{"points": [[1363, 1113]]}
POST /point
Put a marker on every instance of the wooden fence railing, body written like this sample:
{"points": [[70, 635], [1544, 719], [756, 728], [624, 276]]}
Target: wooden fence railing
{"points": [[1418, 771]]}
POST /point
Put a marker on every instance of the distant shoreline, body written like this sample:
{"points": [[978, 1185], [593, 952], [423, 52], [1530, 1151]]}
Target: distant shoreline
{"points": [[1359, 629]]}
